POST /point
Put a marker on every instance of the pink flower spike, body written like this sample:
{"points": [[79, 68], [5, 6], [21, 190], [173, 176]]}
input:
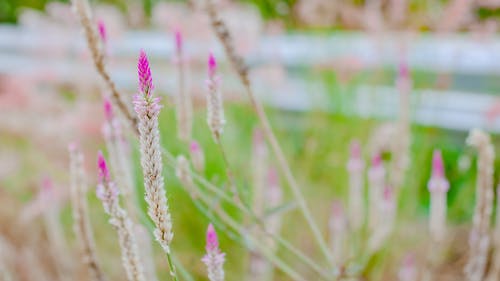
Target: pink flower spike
{"points": [[355, 149], [47, 184], [103, 168], [73, 146], [108, 109], [178, 40], [377, 160], [194, 146], [101, 26], [437, 164], [403, 71], [388, 194], [212, 65], [212, 241], [144, 72]]}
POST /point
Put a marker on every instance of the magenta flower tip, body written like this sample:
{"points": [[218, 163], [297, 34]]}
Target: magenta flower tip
{"points": [[178, 40], [355, 149], [47, 184], [404, 72], [437, 164], [144, 72], [377, 160], [103, 167], [194, 146], [72, 146], [212, 241], [388, 193], [212, 65], [101, 26], [108, 109]]}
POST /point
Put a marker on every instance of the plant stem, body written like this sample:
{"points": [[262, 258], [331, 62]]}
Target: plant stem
{"points": [[285, 169], [171, 265]]}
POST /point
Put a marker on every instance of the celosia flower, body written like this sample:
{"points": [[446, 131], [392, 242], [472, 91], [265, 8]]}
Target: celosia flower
{"points": [[355, 162], [215, 110], [408, 270], [148, 109], [103, 168], [144, 72], [438, 186], [197, 156], [438, 182], [178, 40], [214, 259], [107, 192]]}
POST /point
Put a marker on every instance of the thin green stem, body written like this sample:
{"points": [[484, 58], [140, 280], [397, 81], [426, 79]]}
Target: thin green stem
{"points": [[171, 265], [246, 210], [241, 231]]}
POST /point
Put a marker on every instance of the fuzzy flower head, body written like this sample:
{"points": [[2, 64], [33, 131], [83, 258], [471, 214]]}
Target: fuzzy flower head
{"points": [[101, 27], [438, 181], [355, 162], [103, 168], [376, 171], [214, 259], [377, 160], [144, 72], [212, 241], [403, 71], [178, 40], [403, 80], [194, 147], [106, 191], [437, 164], [197, 156], [408, 269], [215, 109], [47, 184]]}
